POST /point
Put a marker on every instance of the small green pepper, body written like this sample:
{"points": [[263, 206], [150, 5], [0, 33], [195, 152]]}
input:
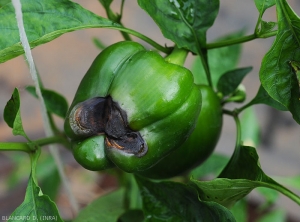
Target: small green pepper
{"points": [[198, 146], [143, 106]]}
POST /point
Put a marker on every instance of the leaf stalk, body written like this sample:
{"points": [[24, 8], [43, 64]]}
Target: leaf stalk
{"points": [[151, 42], [27, 146], [242, 39]]}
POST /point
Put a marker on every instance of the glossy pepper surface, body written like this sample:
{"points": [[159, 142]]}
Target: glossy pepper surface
{"points": [[198, 146], [132, 108]]}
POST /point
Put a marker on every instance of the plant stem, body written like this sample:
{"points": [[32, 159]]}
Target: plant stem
{"points": [[258, 23], [205, 66], [234, 114], [50, 140], [213, 45], [26, 147], [238, 131], [117, 18], [124, 34], [228, 112], [159, 47], [34, 156], [239, 40], [202, 52], [239, 110], [269, 34], [6, 146], [177, 56], [276, 186], [230, 42]]}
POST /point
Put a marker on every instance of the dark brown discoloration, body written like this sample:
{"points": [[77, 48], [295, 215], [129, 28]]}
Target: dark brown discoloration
{"points": [[101, 115], [116, 125], [91, 115], [131, 143]]}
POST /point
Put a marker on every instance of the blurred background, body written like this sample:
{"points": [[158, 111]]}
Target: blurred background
{"points": [[62, 64]]}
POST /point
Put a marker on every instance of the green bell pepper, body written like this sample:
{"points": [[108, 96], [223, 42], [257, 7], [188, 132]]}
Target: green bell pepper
{"points": [[198, 146], [141, 105]]}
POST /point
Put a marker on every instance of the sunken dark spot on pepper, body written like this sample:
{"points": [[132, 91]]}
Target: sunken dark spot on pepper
{"points": [[90, 115], [131, 143], [101, 115]]}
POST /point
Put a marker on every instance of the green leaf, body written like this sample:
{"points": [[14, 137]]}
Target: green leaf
{"points": [[262, 97], [183, 21], [36, 206], [212, 166], [12, 109], [263, 5], [12, 115], [4, 2], [266, 27], [51, 19], [171, 201], [106, 208], [230, 80], [276, 73], [244, 164], [241, 175], [220, 60], [223, 191], [132, 215], [55, 103]]}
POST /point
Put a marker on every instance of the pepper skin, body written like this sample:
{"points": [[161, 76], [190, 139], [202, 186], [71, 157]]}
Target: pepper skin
{"points": [[199, 145], [144, 105], [90, 153]]}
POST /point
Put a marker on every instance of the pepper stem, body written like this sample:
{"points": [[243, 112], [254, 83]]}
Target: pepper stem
{"points": [[177, 56]]}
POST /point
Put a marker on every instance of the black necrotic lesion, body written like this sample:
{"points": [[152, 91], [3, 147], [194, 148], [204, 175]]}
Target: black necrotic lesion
{"points": [[101, 115]]}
